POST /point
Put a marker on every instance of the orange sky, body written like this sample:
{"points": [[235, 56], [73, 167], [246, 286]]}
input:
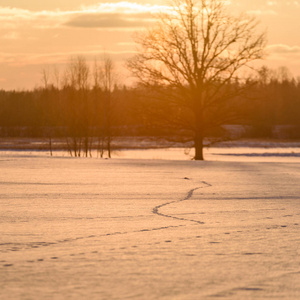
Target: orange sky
{"points": [[38, 34]]}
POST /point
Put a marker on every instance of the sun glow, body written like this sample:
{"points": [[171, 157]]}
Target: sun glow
{"points": [[125, 7], [49, 31]]}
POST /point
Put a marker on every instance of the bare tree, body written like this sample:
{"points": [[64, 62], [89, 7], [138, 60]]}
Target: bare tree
{"points": [[105, 79], [97, 96], [45, 72], [77, 73], [198, 50], [76, 82], [56, 76], [46, 85]]}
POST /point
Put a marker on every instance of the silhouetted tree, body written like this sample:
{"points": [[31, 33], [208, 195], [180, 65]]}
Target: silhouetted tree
{"points": [[197, 49], [105, 80], [76, 87]]}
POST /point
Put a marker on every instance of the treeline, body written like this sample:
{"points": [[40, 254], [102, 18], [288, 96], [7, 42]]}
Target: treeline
{"points": [[276, 102], [88, 108], [84, 105], [86, 118]]}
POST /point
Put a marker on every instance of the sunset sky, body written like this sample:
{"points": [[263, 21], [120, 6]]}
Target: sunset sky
{"points": [[38, 34]]}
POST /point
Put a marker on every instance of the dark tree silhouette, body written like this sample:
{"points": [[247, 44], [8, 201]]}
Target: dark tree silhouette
{"points": [[198, 50]]}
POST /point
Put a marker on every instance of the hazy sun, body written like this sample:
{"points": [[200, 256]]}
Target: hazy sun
{"points": [[125, 7]]}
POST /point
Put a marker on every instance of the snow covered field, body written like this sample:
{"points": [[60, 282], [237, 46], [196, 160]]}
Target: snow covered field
{"points": [[150, 229]]}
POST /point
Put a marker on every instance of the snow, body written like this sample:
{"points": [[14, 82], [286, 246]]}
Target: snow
{"points": [[150, 229], [255, 151]]}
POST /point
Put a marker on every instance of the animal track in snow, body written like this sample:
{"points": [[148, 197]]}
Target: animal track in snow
{"points": [[156, 209]]}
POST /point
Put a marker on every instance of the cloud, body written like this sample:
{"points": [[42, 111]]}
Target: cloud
{"points": [[103, 15], [260, 12], [20, 18], [110, 20], [292, 3], [283, 49], [25, 59], [125, 7], [11, 36], [115, 15]]}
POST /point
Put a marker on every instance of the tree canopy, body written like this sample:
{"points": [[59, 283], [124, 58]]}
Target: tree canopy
{"points": [[198, 49]]}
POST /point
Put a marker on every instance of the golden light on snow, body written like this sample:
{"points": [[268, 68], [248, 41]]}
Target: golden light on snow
{"points": [[113, 229]]}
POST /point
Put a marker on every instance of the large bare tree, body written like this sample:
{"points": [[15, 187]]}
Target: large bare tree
{"points": [[197, 49]]}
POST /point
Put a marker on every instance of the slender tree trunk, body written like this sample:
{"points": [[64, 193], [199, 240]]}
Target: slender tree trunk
{"points": [[86, 145], [75, 146], [69, 147], [108, 123], [109, 145], [50, 145], [199, 128]]}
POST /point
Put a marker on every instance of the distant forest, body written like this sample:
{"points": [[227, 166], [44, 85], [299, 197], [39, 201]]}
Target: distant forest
{"points": [[82, 110]]}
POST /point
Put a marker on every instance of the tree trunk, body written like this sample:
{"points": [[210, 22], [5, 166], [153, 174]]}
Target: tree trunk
{"points": [[50, 145], [86, 144], [199, 146], [108, 122], [109, 145], [199, 127]]}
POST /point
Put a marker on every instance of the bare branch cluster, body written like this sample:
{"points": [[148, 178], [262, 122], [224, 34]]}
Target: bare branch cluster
{"points": [[198, 48]]}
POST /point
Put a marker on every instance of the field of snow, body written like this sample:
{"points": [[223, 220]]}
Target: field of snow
{"points": [[150, 229]]}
